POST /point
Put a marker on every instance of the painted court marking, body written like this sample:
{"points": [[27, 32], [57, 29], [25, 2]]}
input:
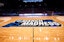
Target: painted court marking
{"points": [[60, 18], [4, 19]]}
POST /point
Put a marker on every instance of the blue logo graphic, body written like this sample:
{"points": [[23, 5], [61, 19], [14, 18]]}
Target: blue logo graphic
{"points": [[33, 23]]}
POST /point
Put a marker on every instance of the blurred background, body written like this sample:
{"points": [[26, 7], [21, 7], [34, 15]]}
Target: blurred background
{"points": [[16, 7]]}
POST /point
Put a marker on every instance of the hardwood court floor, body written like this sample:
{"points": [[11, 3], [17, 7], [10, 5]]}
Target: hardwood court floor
{"points": [[31, 34]]}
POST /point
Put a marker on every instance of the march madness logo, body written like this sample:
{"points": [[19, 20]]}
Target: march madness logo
{"points": [[33, 23]]}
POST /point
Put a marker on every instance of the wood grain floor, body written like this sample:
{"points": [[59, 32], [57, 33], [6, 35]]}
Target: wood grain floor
{"points": [[31, 34]]}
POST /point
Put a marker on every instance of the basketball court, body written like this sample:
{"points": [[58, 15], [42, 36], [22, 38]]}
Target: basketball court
{"points": [[31, 34]]}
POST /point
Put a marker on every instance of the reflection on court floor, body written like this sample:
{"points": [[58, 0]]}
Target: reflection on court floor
{"points": [[32, 34]]}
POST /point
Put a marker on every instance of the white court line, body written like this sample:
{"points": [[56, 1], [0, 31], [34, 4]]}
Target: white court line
{"points": [[61, 18], [5, 19]]}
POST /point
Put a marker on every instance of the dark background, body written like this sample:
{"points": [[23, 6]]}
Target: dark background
{"points": [[20, 6]]}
